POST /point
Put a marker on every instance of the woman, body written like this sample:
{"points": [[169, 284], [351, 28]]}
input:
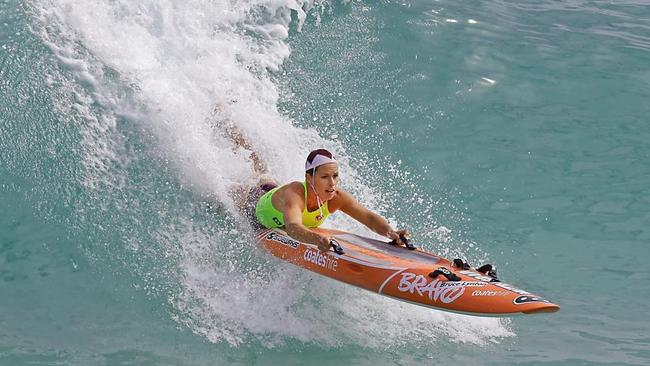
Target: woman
{"points": [[298, 206]]}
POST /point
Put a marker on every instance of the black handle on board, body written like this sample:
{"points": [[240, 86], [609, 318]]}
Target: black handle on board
{"points": [[336, 246]]}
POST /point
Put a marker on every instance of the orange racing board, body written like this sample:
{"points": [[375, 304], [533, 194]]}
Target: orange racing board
{"points": [[406, 275]]}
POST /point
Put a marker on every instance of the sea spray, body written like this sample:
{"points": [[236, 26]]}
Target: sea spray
{"points": [[149, 78]]}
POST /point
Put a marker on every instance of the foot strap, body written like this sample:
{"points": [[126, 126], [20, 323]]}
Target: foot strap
{"points": [[445, 272], [489, 270], [461, 264]]}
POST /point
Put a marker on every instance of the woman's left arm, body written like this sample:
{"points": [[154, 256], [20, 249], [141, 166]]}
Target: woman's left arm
{"points": [[373, 221]]}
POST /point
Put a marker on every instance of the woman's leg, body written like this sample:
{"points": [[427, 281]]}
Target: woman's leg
{"points": [[245, 197], [230, 130]]}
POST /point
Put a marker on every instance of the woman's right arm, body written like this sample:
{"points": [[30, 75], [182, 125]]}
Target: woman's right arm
{"points": [[303, 234], [291, 204]]}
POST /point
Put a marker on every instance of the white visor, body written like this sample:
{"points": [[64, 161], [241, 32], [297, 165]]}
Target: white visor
{"points": [[318, 161]]}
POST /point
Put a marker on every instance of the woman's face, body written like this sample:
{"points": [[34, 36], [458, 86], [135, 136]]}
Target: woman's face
{"points": [[325, 180]]}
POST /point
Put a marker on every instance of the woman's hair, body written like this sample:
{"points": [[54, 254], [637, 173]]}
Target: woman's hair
{"points": [[312, 156]]}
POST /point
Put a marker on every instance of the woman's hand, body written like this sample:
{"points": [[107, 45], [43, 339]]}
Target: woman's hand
{"points": [[324, 243], [395, 235]]}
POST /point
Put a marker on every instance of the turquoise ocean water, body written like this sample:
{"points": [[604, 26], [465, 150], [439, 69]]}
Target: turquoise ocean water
{"points": [[510, 132]]}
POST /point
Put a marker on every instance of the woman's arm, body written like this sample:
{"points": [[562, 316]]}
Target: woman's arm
{"points": [[290, 203], [373, 221]]}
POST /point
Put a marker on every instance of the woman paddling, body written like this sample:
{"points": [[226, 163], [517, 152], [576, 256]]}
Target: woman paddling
{"points": [[298, 206]]}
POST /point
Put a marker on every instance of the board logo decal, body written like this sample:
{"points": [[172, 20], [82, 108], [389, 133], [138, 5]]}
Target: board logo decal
{"points": [[323, 260], [283, 239], [503, 285], [525, 299], [436, 290], [490, 293]]}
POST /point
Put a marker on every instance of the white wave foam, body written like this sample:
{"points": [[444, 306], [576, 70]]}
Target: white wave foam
{"points": [[178, 60]]}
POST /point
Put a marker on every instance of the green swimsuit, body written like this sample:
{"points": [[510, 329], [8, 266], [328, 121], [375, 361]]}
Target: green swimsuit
{"points": [[271, 217]]}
